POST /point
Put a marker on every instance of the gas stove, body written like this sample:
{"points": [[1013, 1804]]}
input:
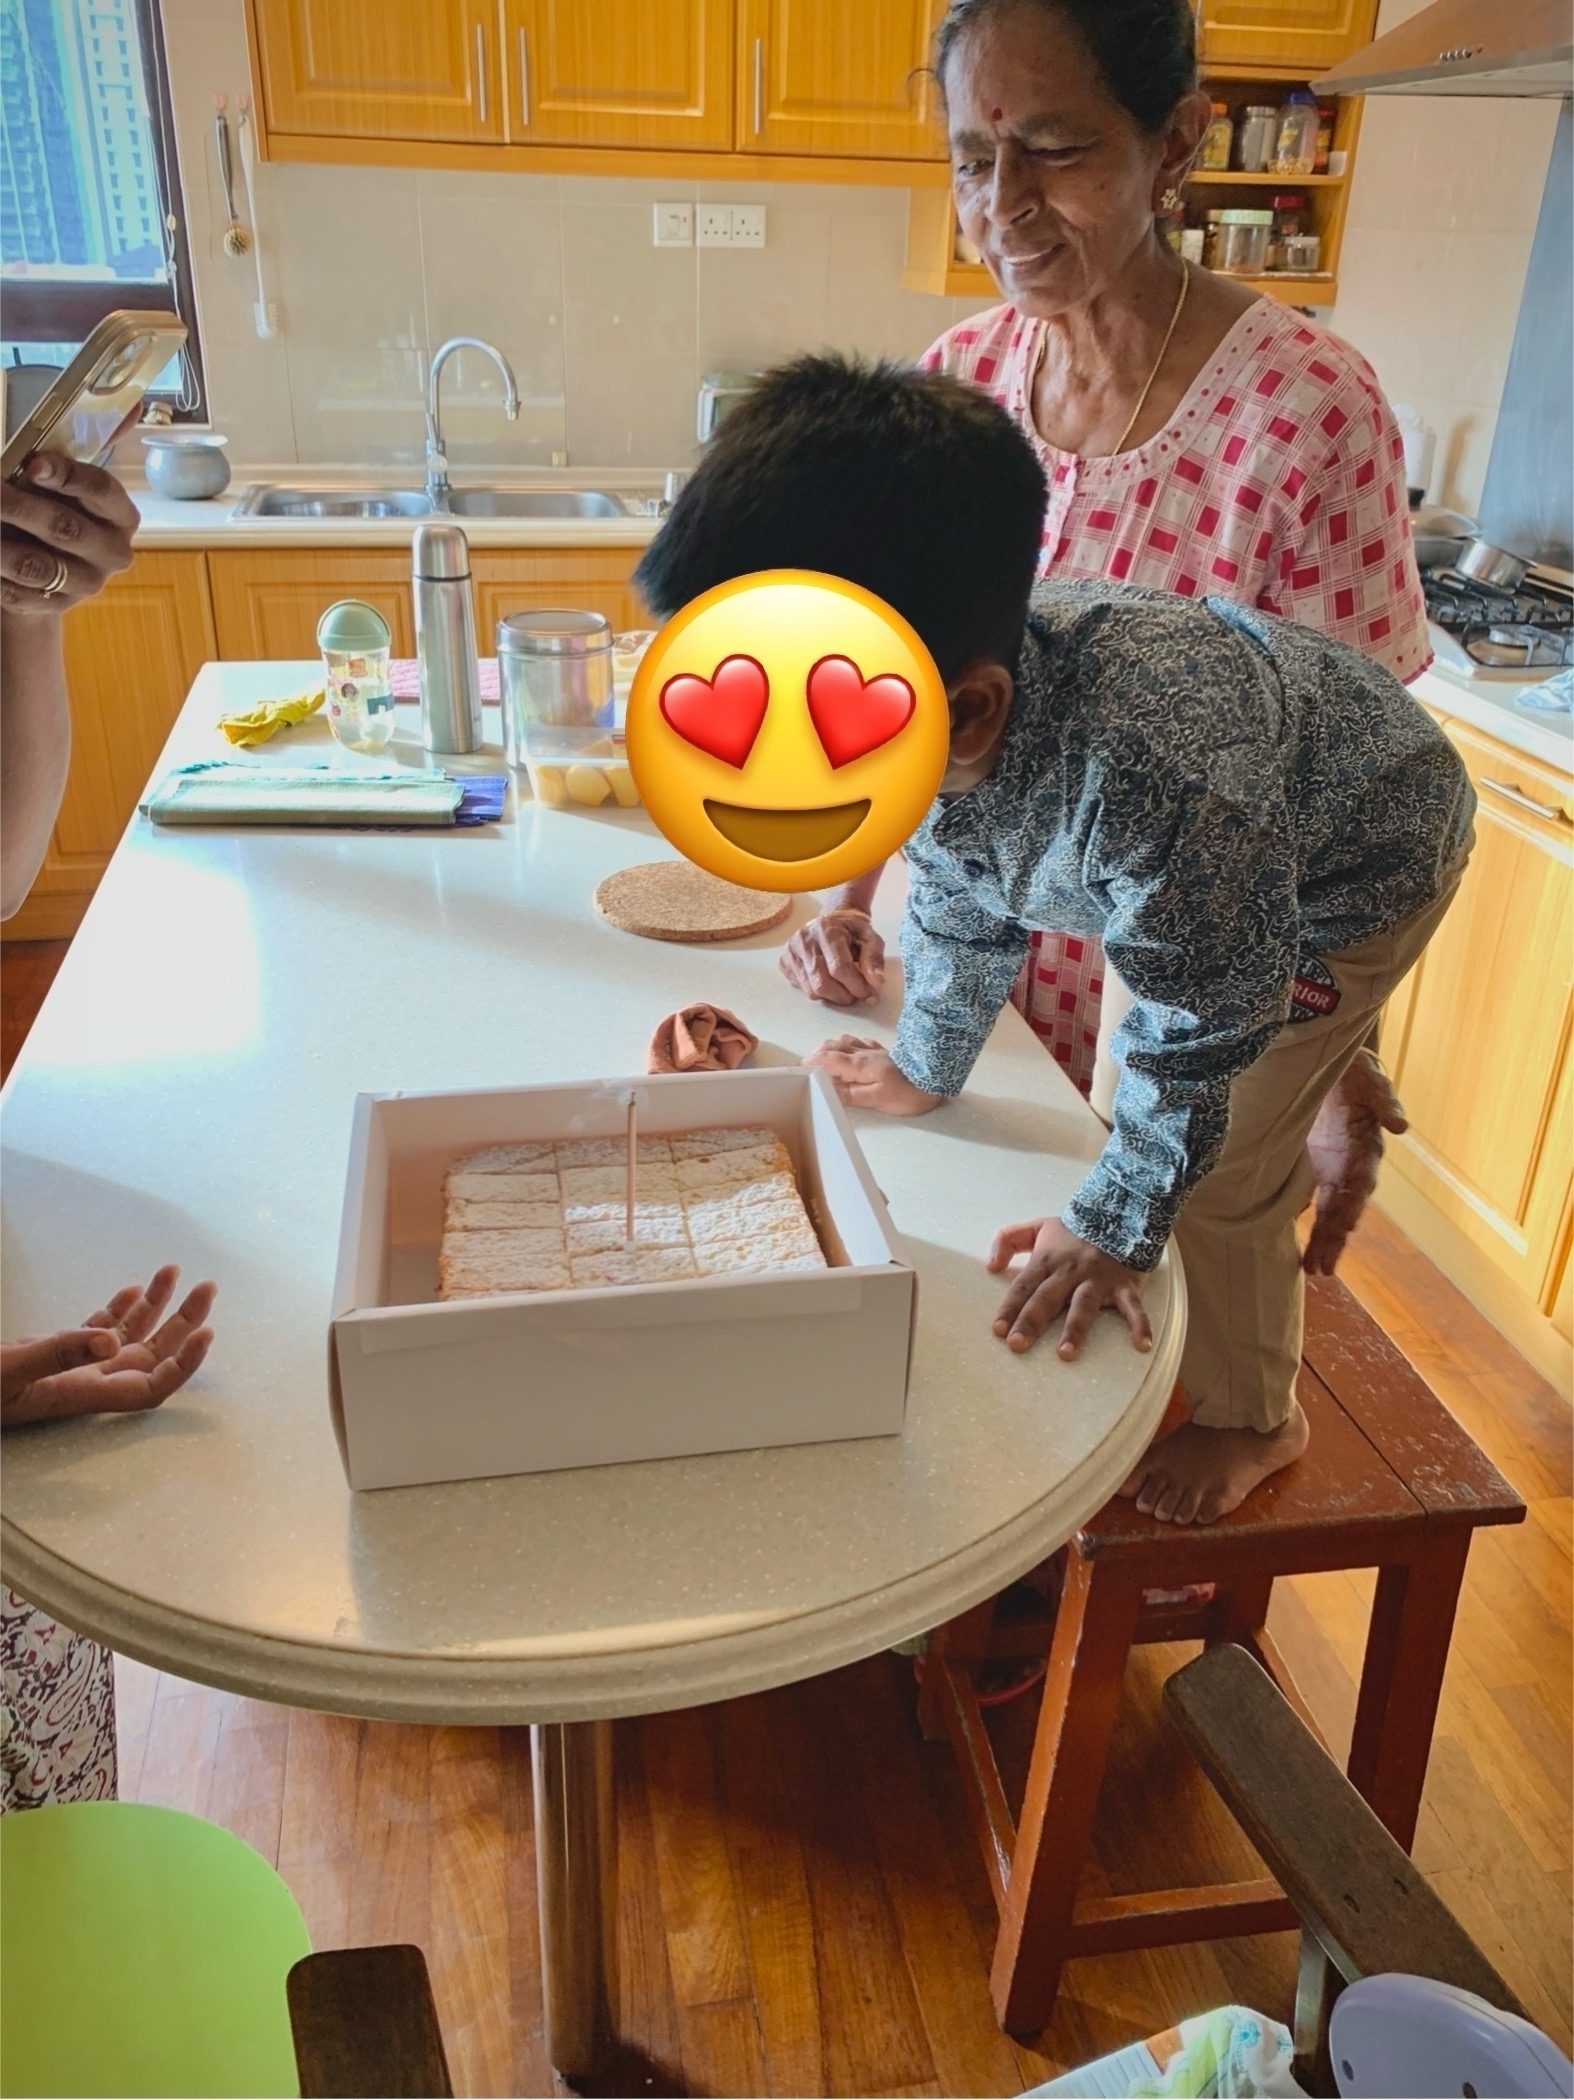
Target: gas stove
{"points": [[1518, 637]]}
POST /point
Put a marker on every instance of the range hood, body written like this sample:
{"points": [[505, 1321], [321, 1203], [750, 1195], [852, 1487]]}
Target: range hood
{"points": [[1465, 47]]}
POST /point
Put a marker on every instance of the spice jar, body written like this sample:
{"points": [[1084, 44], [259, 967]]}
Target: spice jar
{"points": [[1238, 242], [1325, 136], [1254, 142], [1295, 147], [1301, 254], [1289, 219], [1217, 139]]}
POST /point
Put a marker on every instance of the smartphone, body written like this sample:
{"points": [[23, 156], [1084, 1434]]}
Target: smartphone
{"points": [[98, 393]]}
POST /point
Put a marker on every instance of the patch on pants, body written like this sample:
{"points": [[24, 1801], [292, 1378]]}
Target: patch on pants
{"points": [[1314, 995]]}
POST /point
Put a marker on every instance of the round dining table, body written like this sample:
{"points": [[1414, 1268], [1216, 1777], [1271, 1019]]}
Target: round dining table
{"points": [[186, 1095]]}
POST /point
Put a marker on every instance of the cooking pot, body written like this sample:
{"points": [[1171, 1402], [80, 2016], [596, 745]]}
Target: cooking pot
{"points": [[1493, 566]]}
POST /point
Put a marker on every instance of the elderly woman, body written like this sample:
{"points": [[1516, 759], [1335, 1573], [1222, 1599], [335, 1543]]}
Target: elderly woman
{"points": [[63, 533], [1196, 437]]}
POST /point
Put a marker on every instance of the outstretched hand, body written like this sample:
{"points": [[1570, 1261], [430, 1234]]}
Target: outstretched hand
{"points": [[1345, 1147], [119, 1361], [1063, 1274], [837, 958], [866, 1075]]}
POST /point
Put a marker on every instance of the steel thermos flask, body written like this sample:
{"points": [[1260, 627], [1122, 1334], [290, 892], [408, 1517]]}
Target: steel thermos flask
{"points": [[445, 640]]}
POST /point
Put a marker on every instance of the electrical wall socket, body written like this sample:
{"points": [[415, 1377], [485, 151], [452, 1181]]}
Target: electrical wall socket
{"points": [[714, 226], [674, 226], [731, 226]]}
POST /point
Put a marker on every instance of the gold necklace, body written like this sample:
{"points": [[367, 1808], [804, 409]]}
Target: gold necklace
{"points": [[1142, 398]]}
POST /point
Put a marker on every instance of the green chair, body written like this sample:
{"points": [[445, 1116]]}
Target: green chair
{"points": [[142, 1951]]}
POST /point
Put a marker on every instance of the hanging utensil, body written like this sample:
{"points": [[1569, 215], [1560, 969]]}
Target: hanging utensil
{"points": [[236, 239]]}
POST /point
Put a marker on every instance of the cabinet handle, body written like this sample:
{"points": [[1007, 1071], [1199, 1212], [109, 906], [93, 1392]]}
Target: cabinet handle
{"points": [[524, 77], [1514, 794], [759, 84], [480, 67]]}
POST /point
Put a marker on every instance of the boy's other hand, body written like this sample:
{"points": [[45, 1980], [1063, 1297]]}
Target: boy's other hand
{"points": [[866, 1075], [837, 958], [1345, 1147], [119, 1361], [66, 520], [1063, 1274]]}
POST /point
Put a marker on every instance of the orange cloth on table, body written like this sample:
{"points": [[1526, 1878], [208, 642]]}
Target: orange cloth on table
{"points": [[700, 1038]]}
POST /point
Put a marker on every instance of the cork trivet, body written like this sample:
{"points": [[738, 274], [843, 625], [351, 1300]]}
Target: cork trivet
{"points": [[671, 900]]}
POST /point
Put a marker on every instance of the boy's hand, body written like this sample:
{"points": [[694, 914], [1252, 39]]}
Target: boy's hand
{"points": [[837, 958], [866, 1075], [119, 1361], [1063, 1274]]}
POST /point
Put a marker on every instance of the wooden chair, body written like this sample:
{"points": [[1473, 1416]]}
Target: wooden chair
{"points": [[364, 2023], [1390, 1481], [1364, 1909]]}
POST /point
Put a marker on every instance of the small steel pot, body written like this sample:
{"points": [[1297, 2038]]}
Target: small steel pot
{"points": [[1493, 566], [186, 464]]}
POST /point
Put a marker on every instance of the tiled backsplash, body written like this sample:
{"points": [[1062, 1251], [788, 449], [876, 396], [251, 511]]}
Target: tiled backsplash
{"points": [[608, 335]]}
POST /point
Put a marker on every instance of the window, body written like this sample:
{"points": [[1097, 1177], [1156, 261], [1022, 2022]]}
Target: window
{"points": [[76, 244]]}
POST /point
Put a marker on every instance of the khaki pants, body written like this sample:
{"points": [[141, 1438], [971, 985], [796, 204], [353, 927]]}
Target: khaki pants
{"points": [[1236, 1232]]}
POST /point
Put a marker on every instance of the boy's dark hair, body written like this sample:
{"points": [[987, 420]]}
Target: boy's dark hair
{"points": [[910, 483]]}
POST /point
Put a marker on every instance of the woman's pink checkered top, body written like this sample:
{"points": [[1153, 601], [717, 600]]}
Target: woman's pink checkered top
{"points": [[1279, 481]]}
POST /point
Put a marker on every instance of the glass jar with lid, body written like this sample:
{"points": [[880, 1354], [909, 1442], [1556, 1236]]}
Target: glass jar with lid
{"points": [[1290, 218], [1217, 139], [1238, 242], [556, 683], [1295, 147], [1255, 138]]}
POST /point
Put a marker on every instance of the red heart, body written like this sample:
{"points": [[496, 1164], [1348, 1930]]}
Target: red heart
{"points": [[853, 716], [720, 714]]}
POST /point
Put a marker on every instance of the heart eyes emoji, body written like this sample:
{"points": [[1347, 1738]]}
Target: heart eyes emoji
{"points": [[722, 715]]}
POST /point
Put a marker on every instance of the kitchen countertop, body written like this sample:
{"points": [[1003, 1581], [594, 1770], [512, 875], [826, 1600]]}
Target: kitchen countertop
{"points": [[167, 522], [186, 1093], [1492, 708]]}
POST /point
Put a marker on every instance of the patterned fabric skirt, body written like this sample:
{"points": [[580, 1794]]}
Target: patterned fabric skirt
{"points": [[1058, 994], [57, 1711]]}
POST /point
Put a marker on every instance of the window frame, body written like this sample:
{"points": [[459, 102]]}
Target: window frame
{"points": [[55, 312]]}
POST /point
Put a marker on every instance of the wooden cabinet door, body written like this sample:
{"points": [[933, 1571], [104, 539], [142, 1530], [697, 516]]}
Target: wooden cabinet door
{"points": [[1304, 35], [131, 655], [619, 72], [817, 76], [267, 603], [1478, 1035], [399, 69], [595, 579]]}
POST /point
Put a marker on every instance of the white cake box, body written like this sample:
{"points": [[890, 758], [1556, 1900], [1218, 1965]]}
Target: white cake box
{"points": [[423, 1390]]}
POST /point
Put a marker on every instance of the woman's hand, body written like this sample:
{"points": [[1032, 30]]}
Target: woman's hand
{"points": [[1345, 1146], [866, 1075], [837, 958], [120, 1360], [67, 520], [1063, 1274]]}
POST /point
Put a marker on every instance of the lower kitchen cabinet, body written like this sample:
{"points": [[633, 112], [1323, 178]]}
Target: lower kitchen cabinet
{"points": [[131, 655], [267, 602], [595, 579], [1478, 1042]]}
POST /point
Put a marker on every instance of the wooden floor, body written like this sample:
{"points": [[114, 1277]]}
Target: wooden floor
{"points": [[804, 1910]]}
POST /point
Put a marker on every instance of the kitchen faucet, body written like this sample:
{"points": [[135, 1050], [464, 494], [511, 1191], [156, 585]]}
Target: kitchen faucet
{"points": [[437, 483]]}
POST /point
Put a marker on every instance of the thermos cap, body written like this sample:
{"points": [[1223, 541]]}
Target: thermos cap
{"points": [[441, 552]]}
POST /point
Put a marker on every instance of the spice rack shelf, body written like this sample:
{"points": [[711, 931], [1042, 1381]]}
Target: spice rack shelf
{"points": [[1233, 176]]}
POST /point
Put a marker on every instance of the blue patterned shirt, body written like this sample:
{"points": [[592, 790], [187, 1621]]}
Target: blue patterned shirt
{"points": [[1216, 794]]}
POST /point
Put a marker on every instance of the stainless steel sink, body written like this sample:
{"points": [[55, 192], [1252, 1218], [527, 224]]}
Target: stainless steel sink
{"points": [[267, 501], [537, 503]]}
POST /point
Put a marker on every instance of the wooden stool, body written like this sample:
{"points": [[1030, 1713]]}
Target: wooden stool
{"points": [[1390, 1481]]}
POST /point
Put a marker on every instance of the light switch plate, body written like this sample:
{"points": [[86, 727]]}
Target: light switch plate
{"points": [[674, 226], [748, 225], [714, 226]]}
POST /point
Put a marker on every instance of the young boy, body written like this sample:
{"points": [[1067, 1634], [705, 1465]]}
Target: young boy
{"points": [[1260, 824]]}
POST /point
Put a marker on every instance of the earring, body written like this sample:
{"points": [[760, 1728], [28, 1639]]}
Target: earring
{"points": [[1172, 200]]}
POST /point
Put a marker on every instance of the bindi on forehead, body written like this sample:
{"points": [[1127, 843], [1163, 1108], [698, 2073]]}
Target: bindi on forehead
{"points": [[996, 115]]}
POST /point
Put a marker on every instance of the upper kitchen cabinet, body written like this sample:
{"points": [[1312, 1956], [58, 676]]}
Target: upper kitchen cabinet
{"points": [[619, 73], [405, 69], [825, 79], [1299, 36]]}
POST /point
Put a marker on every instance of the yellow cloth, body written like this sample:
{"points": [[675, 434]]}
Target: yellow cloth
{"points": [[259, 723]]}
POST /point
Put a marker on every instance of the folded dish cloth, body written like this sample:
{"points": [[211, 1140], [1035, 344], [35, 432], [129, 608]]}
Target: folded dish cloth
{"points": [[214, 792], [700, 1038], [256, 724]]}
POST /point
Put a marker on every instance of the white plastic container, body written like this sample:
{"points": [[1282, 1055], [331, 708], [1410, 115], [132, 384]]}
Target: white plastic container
{"points": [[424, 1391]]}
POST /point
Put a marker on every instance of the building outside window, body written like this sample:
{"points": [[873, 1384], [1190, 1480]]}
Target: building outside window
{"points": [[75, 244]]}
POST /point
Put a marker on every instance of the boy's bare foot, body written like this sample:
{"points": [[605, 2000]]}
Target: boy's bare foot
{"points": [[1196, 1475]]}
